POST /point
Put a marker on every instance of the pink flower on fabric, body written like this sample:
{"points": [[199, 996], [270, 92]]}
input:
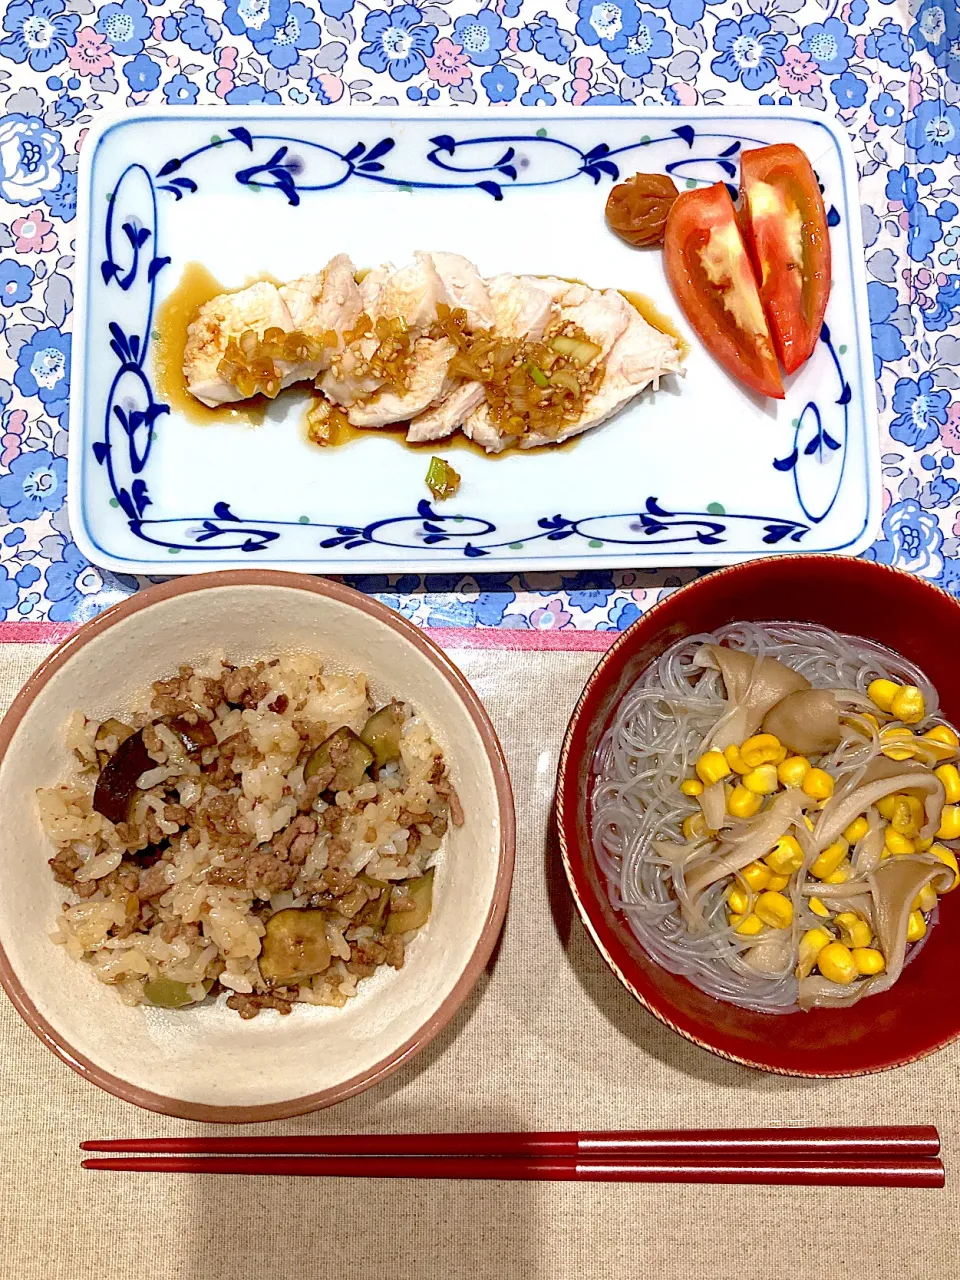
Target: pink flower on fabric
{"points": [[332, 87], [950, 431], [915, 90], [552, 618], [92, 55], [15, 427], [798, 73], [449, 65], [686, 94], [34, 234]]}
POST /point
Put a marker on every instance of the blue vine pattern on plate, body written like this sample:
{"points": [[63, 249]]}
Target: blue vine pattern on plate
{"points": [[132, 412]]}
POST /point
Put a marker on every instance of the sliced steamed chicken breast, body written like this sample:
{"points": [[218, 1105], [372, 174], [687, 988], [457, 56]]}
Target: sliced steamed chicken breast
{"points": [[638, 358], [326, 302], [258, 307], [428, 383], [463, 288], [443, 419]]}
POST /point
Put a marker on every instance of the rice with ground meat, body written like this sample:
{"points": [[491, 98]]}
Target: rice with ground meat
{"points": [[221, 838]]}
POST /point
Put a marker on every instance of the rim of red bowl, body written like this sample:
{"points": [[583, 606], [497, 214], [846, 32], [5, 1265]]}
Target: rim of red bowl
{"points": [[608, 929], [496, 912]]}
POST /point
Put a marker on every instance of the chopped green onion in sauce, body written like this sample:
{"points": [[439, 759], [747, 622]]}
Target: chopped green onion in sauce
{"points": [[442, 480]]}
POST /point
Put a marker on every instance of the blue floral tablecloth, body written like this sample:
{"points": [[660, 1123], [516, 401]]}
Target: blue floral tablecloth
{"points": [[890, 71]]}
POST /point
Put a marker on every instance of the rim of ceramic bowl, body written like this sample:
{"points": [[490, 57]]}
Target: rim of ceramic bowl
{"points": [[563, 818], [495, 915]]}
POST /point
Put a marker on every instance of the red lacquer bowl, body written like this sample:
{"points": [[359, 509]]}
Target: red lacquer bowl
{"points": [[920, 1014]]}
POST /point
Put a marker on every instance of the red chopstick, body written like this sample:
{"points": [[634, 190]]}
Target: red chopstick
{"points": [[924, 1172], [877, 1143]]}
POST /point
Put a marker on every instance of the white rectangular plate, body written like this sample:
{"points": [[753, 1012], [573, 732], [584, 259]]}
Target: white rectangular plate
{"points": [[701, 471]]}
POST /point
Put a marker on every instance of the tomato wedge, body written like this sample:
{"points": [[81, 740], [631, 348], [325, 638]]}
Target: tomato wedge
{"points": [[710, 273], [785, 227]]}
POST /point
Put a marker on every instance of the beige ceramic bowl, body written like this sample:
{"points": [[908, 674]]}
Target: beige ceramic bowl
{"points": [[206, 1063]]}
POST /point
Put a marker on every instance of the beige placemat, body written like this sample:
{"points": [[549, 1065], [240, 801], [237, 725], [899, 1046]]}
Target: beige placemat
{"points": [[548, 1040]]}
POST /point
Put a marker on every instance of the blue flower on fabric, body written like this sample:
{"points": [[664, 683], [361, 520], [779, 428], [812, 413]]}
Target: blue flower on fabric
{"points": [[397, 42], [336, 8], [829, 45], [525, 39], [180, 91], [243, 95], [43, 369], [9, 591], [943, 314], [931, 32], [481, 35], [30, 156], [887, 341], [500, 83], [125, 25], [40, 33], [552, 43], [912, 540], [858, 11], [142, 73], [685, 13], [890, 45], [607, 100], [37, 482], [749, 52], [16, 279], [923, 232], [197, 31], [282, 49], [650, 40], [68, 106], [939, 492], [933, 131], [170, 28], [63, 201], [257, 19], [921, 411], [601, 21], [78, 591], [622, 615], [902, 186], [886, 110], [849, 90], [510, 8], [537, 96]]}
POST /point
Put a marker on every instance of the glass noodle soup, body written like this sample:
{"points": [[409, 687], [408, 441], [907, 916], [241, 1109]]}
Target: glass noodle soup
{"points": [[776, 810]]}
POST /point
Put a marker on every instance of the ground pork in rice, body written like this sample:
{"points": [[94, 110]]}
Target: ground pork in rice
{"points": [[174, 900]]}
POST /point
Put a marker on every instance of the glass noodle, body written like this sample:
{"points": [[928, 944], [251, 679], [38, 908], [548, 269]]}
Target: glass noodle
{"points": [[652, 745]]}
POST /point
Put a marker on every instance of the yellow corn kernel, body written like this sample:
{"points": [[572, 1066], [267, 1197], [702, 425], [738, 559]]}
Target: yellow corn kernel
{"points": [[762, 781], [943, 733], [811, 944], [925, 900], [916, 926], [868, 960], [871, 719], [923, 843], [829, 859], [908, 705], [732, 756], [857, 829], [841, 874], [786, 856], [818, 784], [897, 744], [949, 828], [691, 787], [712, 767], [837, 964], [887, 805], [738, 900], [818, 909], [778, 882], [749, 925], [897, 843], [882, 693], [793, 770], [949, 775], [948, 857], [762, 748], [854, 930], [756, 875], [908, 816], [743, 803], [774, 909], [694, 827]]}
